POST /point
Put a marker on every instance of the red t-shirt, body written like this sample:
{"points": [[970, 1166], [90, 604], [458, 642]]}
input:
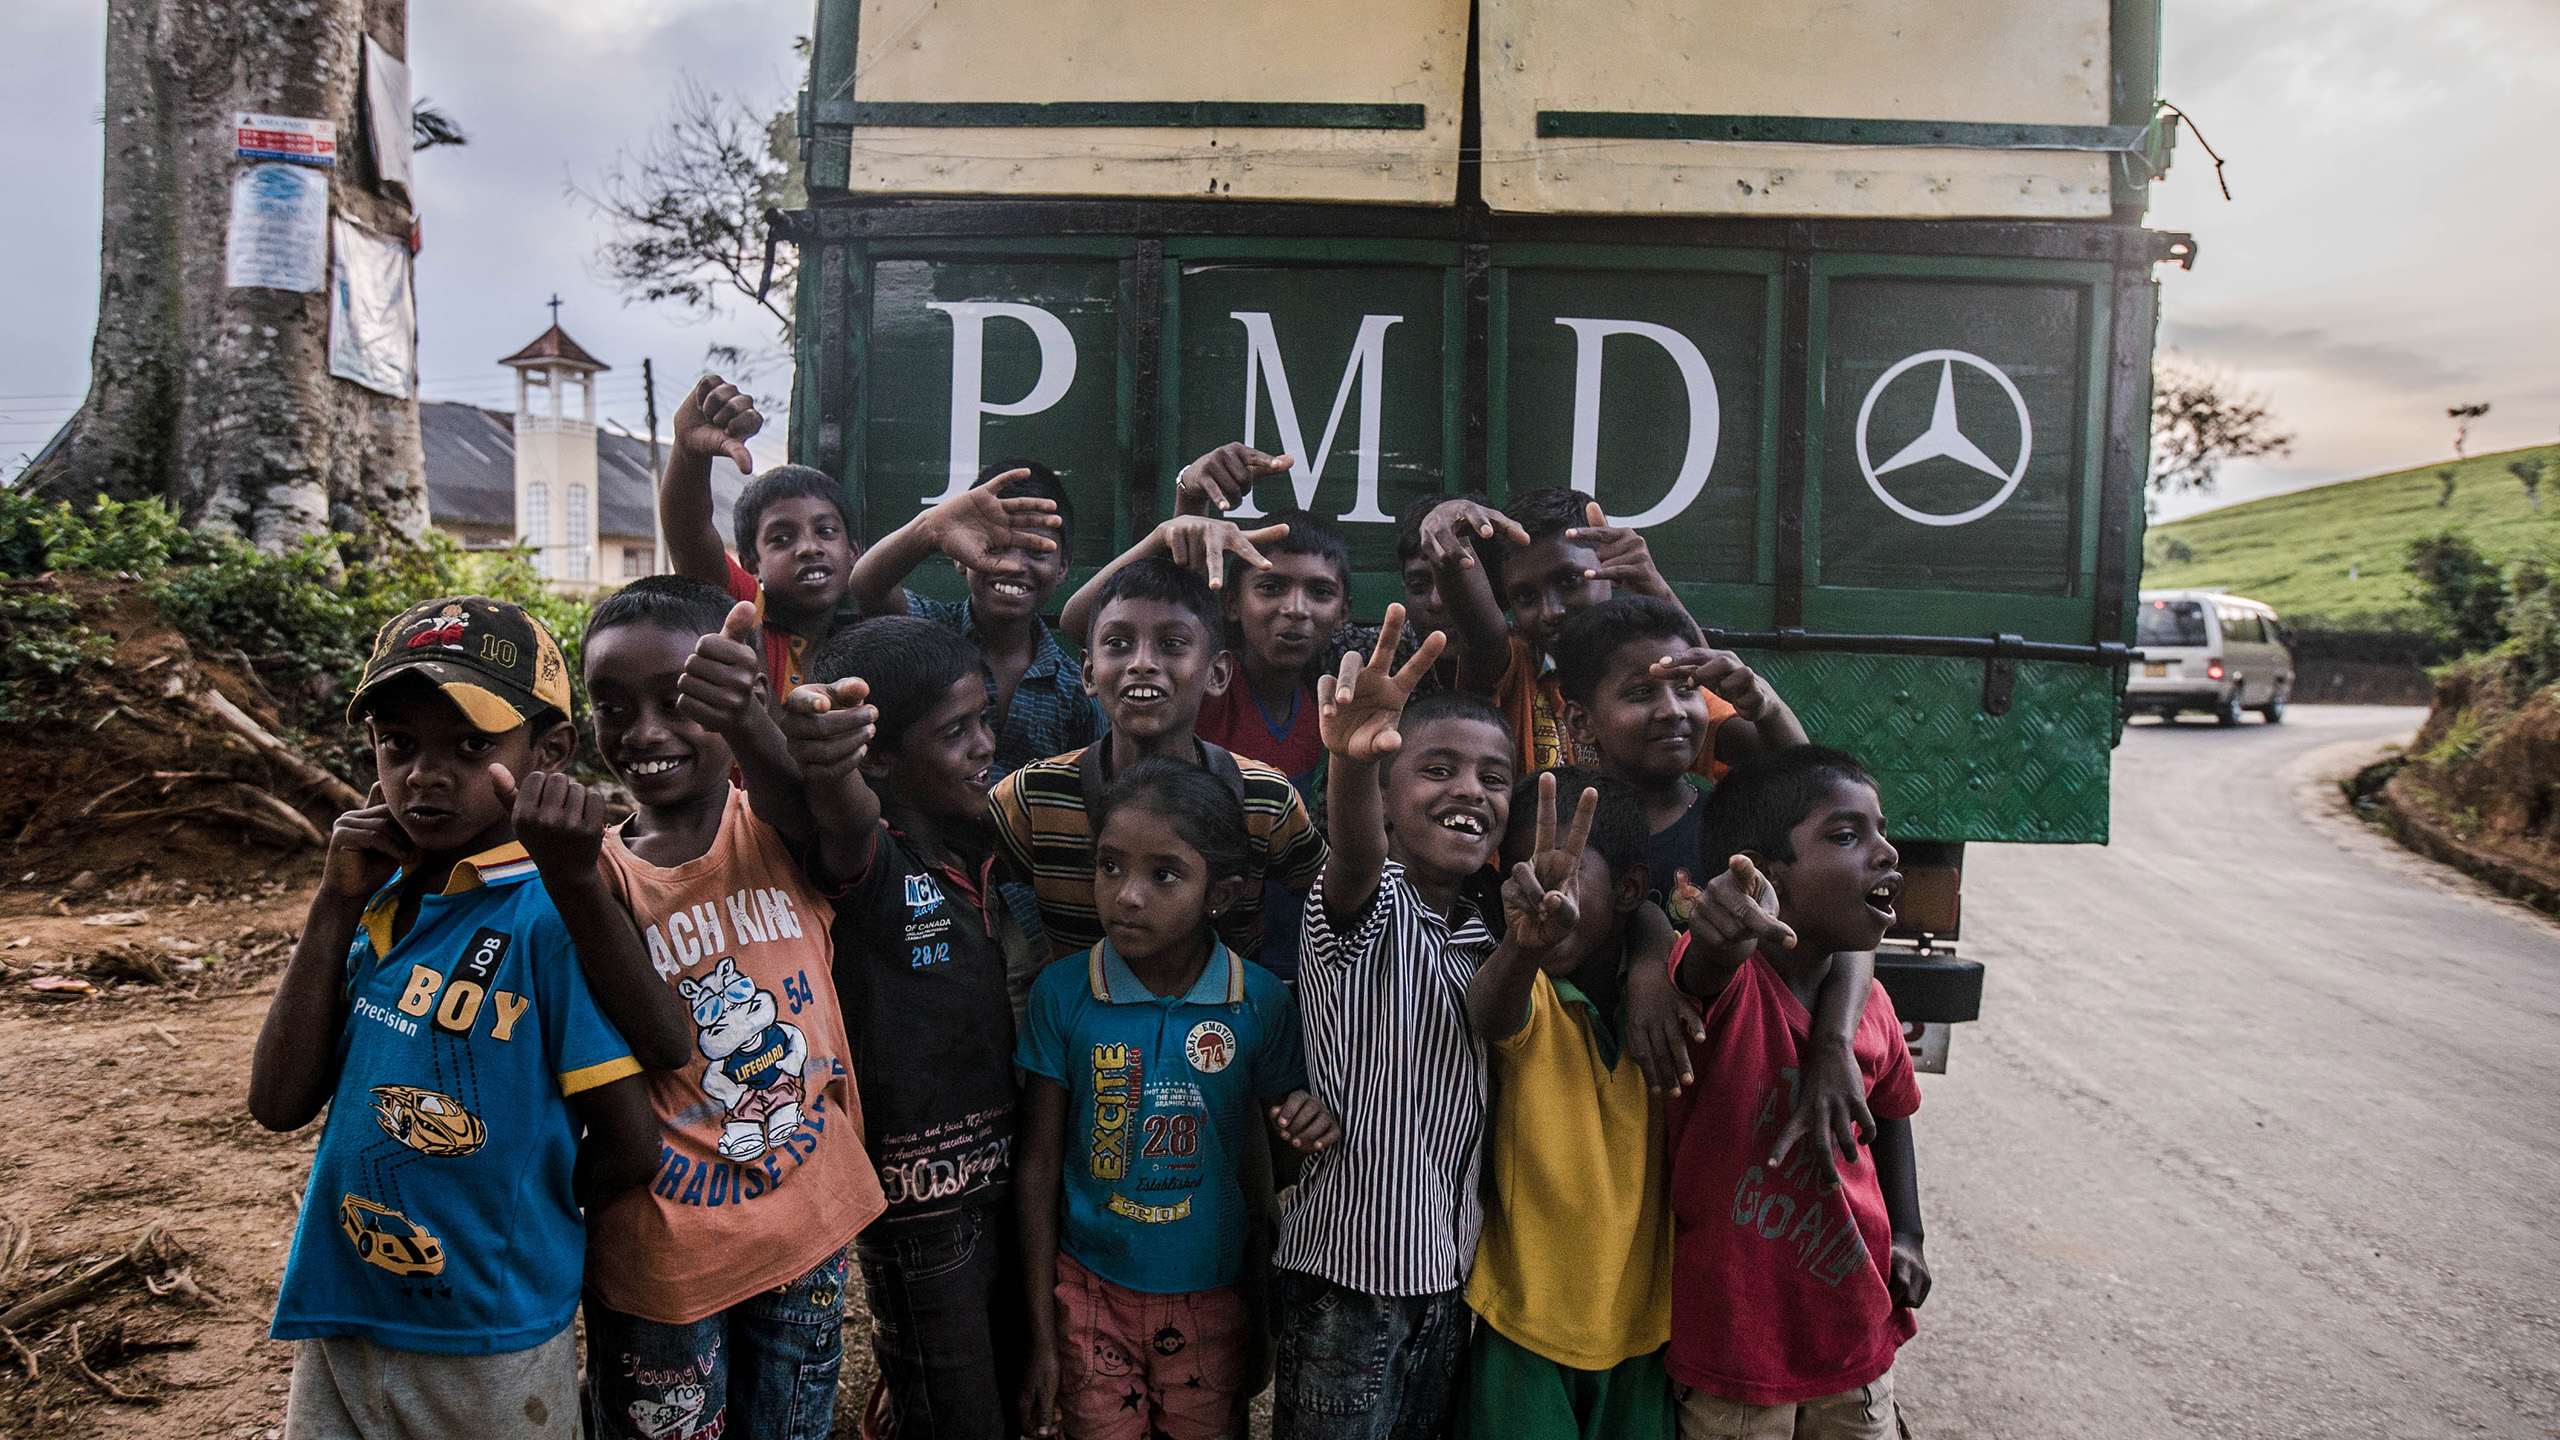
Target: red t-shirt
{"points": [[783, 651], [1778, 1291], [1236, 721]]}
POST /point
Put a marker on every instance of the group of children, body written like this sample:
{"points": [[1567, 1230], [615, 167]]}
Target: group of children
{"points": [[1464, 1022]]}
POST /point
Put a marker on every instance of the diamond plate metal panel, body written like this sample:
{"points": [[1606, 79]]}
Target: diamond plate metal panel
{"points": [[1949, 771]]}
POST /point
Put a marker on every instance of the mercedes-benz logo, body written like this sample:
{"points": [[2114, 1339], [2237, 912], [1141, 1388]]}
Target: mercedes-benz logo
{"points": [[1945, 439]]}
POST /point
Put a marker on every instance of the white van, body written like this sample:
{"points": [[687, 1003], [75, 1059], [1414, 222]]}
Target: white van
{"points": [[2209, 651]]}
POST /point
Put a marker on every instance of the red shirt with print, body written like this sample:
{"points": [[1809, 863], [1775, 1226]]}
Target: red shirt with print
{"points": [[1778, 1288]]}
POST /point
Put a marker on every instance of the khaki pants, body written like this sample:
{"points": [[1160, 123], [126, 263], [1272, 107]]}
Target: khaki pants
{"points": [[1865, 1413], [349, 1388]]}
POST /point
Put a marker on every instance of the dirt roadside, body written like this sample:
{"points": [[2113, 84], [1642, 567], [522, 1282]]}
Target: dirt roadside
{"points": [[136, 1096]]}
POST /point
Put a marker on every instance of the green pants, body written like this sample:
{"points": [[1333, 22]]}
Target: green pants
{"points": [[1518, 1394]]}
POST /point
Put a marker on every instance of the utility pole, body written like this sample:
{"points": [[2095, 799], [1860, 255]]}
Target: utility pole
{"points": [[657, 522]]}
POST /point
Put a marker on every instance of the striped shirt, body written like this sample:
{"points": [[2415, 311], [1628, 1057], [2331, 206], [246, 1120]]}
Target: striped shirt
{"points": [[1043, 832], [1393, 1209]]}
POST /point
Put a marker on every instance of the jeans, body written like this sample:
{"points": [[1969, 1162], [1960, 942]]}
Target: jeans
{"points": [[765, 1367], [946, 1321], [1364, 1367]]}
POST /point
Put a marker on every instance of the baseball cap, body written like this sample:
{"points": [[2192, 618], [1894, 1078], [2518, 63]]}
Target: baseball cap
{"points": [[489, 658]]}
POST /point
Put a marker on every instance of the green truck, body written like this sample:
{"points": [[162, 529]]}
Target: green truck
{"points": [[1849, 307]]}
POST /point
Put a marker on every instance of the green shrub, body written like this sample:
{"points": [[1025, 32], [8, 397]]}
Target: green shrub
{"points": [[41, 648], [303, 621], [2460, 588]]}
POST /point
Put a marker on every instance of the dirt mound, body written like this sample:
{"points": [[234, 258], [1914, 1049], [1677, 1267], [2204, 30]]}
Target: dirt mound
{"points": [[2480, 787], [158, 765]]}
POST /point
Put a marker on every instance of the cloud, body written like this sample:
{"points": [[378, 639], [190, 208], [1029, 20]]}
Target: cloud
{"points": [[2249, 345]]}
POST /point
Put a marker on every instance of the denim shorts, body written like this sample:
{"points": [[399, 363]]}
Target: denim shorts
{"points": [[764, 1367]]}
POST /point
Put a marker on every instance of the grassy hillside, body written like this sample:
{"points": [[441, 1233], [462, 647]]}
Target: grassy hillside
{"points": [[2297, 552]]}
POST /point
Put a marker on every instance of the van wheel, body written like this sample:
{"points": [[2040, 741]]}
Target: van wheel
{"points": [[2229, 712], [2273, 710]]}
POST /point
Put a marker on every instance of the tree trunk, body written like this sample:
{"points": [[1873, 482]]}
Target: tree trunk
{"points": [[220, 400]]}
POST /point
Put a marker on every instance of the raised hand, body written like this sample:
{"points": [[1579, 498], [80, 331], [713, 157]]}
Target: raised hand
{"points": [[976, 526], [559, 822], [1357, 711], [828, 728], [1222, 479], [1450, 531], [724, 677], [1720, 673], [1205, 543], [1306, 1122], [1737, 906], [366, 848], [716, 419], [1625, 559], [1540, 898]]}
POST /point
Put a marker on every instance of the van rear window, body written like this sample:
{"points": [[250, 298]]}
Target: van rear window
{"points": [[2170, 622]]}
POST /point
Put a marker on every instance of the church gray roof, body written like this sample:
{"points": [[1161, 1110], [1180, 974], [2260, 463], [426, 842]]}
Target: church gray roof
{"points": [[471, 472]]}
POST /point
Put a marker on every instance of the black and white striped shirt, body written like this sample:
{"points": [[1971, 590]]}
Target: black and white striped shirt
{"points": [[1393, 1208]]}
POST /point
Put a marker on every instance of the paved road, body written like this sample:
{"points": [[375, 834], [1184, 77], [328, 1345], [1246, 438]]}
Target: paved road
{"points": [[2260, 1132]]}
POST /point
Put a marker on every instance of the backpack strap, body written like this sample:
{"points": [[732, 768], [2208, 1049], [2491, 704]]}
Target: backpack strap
{"points": [[1213, 758]]}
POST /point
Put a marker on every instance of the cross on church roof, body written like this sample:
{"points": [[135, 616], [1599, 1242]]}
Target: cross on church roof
{"points": [[555, 307]]}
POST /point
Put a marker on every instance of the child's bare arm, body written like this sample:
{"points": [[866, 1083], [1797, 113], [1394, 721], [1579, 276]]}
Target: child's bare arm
{"points": [[1539, 913], [1357, 713], [969, 527], [715, 419], [1037, 1175], [561, 826], [621, 1145], [1897, 1174], [1200, 542], [1448, 541], [295, 1066], [1832, 1106], [829, 730], [1660, 1022]]}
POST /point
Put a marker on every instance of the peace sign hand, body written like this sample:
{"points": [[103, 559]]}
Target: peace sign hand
{"points": [[1539, 900], [1357, 712]]}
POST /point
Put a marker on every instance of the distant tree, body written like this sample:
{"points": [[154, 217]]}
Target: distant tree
{"points": [[2462, 416], [2447, 475], [2199, 419], [687, 209], [2459, 588], [2530, 473]]}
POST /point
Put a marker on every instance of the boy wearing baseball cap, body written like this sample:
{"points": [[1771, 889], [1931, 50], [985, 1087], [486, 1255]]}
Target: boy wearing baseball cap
{"points": [[437, 1005]]}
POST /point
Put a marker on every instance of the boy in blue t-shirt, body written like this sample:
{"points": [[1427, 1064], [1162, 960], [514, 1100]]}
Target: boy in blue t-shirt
{"points": [[438, 1006]]}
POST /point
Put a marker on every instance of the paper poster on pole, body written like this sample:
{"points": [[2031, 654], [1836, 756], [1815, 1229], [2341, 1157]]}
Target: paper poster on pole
{"points": [[373, 318], [279, 228], [286, 137], [386, 112]]}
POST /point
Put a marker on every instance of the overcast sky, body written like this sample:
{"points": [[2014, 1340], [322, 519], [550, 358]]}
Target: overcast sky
{"points": [[2387, 253]]}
